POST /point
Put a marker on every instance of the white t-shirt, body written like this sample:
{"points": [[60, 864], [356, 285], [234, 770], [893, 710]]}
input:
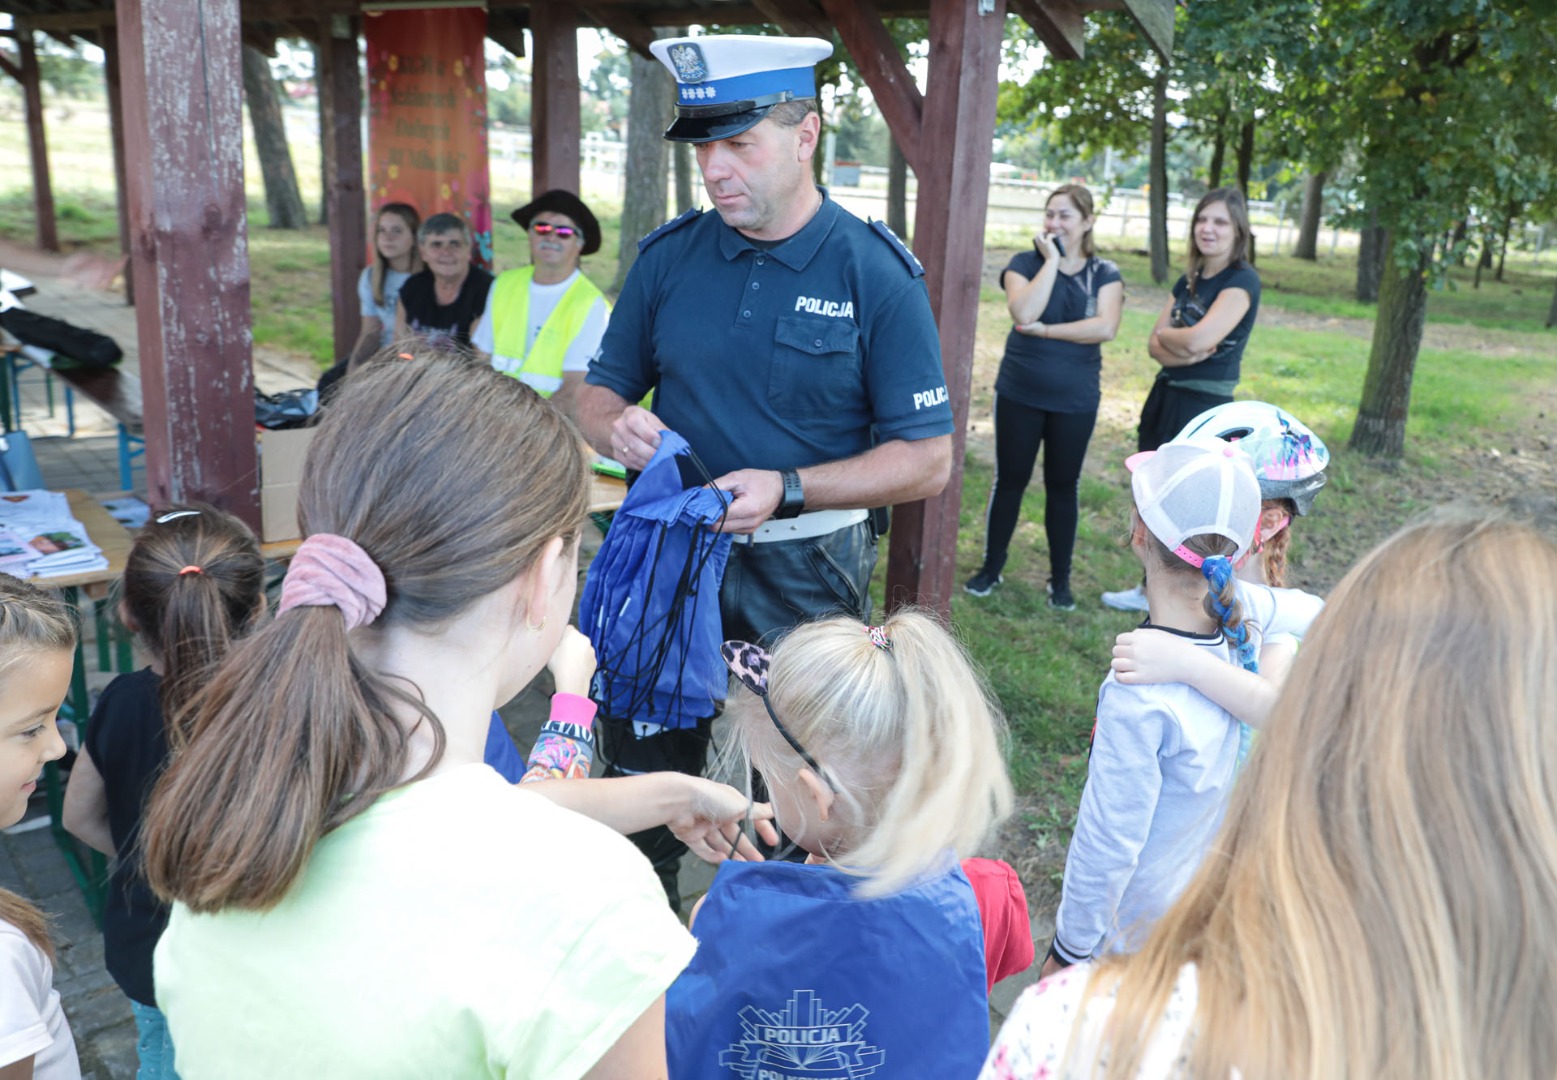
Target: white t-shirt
{"points": [[31, 1022], [543, 301], [460, 926], [385, 312], [1033, 1041]]}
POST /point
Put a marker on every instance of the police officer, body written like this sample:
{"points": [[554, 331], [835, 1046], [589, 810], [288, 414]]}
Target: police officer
{"points": [[544, 321], [789, 342]]}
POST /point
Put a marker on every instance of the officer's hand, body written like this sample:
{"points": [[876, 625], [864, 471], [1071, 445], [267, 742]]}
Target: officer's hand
{"points": [[754, 495], [635, 436]]}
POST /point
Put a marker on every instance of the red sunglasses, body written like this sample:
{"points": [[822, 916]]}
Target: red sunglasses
{"points": [[546, 228]]}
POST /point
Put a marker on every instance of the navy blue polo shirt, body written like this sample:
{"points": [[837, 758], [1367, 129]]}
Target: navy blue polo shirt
{"points": [[807, 351]]}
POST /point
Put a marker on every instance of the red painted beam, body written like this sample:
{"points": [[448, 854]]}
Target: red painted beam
{"points": [[554, 97], [341, 84], [32, 95], [875, 55], [110, 44], [959, 122], [182, 84]]}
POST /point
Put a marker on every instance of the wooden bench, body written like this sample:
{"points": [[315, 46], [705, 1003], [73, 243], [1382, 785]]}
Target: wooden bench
{"points": [[117, 393]]}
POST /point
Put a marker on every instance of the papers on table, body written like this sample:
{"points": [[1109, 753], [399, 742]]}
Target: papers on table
{"points": [[40, 538], [127, 511]]}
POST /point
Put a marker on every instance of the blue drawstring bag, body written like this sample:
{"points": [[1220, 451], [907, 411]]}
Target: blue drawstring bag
{"points": [[831, 985], [651, 600]]}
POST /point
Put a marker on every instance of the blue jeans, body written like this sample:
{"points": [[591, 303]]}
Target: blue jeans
{"points": [[154, 1044]]}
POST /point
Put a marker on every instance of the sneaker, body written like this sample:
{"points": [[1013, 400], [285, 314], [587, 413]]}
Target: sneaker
{"points": [[982, 583], [1127, 599], [1060, 598]]}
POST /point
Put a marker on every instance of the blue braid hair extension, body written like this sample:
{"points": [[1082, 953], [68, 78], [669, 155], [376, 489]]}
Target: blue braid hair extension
{"points": [[1218, 571]]}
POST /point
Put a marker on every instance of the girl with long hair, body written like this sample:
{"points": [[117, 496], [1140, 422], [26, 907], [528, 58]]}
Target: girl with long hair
{"points": [[194, 583], [395, 258], [355, 894], [37, 654], [881, 750], [1064, 303], [1380, 900]]}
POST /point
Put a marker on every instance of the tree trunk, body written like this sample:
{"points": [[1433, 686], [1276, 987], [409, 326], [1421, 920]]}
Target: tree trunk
{"points": [[1484, 261], [648, 158], [1307, 246], [897, 190], [1380, 430], [282, 201], [1370, 254], [1218, 152], [1508, 225], [1551, 313], [1157, 197], [1245, 156], [685, 167], [1457, 238]]}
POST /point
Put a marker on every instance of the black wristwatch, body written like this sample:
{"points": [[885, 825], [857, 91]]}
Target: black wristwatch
{"points": [[794, 502]]}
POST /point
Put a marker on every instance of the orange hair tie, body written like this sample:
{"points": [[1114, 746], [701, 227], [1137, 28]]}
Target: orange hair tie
{"points": [[190, 570], [407, 356]]}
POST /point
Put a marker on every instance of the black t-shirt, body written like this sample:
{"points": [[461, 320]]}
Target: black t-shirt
{"points": [[129, 746], [1042, 373], [1224, 363], [444, 324]]}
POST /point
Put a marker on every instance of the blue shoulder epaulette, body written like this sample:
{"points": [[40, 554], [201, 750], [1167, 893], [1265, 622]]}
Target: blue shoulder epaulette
{"points": [[669, 226], [908, 257]]}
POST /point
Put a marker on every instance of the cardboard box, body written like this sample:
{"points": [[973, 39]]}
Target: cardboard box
{"points": [[281, 455]]}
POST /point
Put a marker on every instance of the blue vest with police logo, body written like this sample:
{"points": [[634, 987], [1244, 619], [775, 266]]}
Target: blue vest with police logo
{"points": [[796, 978]]}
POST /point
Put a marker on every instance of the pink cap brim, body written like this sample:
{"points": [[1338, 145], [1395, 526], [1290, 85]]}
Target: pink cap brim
{"points": [[1134, 461]]}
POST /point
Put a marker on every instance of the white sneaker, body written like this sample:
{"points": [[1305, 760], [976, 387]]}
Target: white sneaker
{"points": [[1127, 599]]}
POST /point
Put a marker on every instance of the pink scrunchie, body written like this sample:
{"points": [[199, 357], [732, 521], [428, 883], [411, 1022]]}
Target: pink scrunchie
{"points": [[332, 571]]}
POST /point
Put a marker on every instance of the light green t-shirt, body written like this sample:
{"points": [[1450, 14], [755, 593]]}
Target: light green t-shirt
{"points": [[460, 927]]}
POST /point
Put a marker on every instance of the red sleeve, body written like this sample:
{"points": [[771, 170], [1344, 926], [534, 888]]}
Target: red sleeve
{"points": [[1008, 931]]}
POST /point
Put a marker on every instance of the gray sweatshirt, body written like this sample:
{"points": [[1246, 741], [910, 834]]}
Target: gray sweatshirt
{"points": [[1161, 769]]}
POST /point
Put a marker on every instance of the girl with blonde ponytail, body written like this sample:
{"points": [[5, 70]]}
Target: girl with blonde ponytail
{"points": [[1380, 901], [881, 750], [1164, 756]]}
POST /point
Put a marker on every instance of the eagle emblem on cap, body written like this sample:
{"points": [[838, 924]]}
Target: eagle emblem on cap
{"points": [[689, 62]]}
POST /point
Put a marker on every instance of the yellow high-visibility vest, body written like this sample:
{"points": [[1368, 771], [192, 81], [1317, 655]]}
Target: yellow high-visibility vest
{"points": [[510, 307]]}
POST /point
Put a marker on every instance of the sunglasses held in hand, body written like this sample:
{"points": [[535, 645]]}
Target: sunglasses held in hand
{"points": [[546, 228]]}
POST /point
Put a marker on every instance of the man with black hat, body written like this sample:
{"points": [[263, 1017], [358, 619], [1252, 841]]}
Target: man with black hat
{"points": [[544, 321], [789, 342]]}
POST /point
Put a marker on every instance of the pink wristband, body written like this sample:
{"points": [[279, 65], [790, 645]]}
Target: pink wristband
{"points": [[572, 709]]}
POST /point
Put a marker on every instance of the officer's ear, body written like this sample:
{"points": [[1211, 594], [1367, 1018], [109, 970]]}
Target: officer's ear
{"points": [[809, 134]]}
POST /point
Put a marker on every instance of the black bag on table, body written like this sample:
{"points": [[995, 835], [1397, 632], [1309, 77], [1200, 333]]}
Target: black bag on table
{"points": [[285, 408], [72, 346]]}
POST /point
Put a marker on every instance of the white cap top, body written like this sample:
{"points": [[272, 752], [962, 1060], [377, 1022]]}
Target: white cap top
{"points": [[1191, 488]]}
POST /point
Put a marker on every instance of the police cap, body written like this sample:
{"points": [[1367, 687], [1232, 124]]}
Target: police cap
{"points": [[726, 83]]}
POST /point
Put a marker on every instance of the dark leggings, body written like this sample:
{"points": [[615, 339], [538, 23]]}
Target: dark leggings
{"points": [[1019, 430]]}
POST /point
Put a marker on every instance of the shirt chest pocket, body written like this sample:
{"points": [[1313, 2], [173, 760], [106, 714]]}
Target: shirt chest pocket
{"points": [[816, 367]]}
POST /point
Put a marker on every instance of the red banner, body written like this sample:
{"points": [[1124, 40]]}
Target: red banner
{"points": [[427, 115]]}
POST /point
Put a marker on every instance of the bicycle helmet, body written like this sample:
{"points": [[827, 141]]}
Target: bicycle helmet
{"points": [[1289, 460]]}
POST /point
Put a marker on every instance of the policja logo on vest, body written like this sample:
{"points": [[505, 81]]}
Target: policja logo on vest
{"points": [[803, 1042]]}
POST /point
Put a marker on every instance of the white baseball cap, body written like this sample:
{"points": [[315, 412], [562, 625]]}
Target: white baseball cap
{"points": [[1194, 487]]}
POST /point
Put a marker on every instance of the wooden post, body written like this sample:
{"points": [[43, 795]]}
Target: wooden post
{"points": [[182, 88], [32, 94], [110, 40], [340, 88], [554, 90], [959, 121]]}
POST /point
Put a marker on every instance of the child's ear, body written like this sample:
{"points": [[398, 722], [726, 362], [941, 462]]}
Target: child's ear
{"points": [[1272, 520], [818, 790], [126, 619]]}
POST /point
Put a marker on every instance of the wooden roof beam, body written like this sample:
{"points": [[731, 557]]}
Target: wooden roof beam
{"points": [[10, 67], [1155, 18], [797, 18], [72, 22], [881, 65], [1060, 25], [624, 24], [507, 31]]}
